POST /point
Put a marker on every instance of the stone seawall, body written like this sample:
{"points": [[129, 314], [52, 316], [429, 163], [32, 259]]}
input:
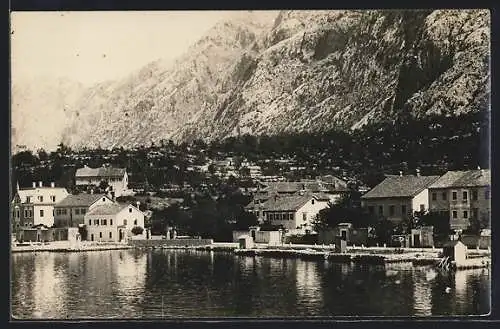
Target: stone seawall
{"points": [[175, 243]]}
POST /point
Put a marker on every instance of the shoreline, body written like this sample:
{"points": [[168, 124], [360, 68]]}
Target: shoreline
{"points": [[357, 255]]}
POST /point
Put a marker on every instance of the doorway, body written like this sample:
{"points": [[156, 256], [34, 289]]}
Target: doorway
{"points": [[416, 240]]}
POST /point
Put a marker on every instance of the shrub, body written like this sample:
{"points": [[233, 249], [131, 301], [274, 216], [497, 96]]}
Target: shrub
{"points": [[136, 230]]}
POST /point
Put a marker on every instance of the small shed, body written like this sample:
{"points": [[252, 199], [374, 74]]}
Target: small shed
{"points": [[456, 250], [246, 242], [422, 237]]}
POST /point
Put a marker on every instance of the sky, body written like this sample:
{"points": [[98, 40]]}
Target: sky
{"points": [[92, 47]]}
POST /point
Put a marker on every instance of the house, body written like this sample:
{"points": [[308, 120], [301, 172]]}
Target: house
{"points": [[70, 211], [462, 195], [398, 197], [112, 222], [295, 213], [117, 178], [455, 250], [35, 206]]}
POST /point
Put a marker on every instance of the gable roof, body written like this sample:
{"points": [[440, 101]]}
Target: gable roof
{"points": [[106, 209], [400, 186], [79, 200], [100, 172], [467, 178], [110, 209], [288, 203]]}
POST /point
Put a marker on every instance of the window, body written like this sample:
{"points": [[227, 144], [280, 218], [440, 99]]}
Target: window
{"points": [[474, 195], [110, 235], [466, 214], [28, 199], [111, 222], [422, 207], [41, 212], [83, 211], [53, 198], [96, 222], [40, 198], [454, 195], [17, 213], [454, 213], [90, 222], [64, 211], [135, 221], [77, 211], [434, 196], [312, 201], [26, 213], [380, 210], [403, 209], [487, 194], [104, 222], [103, 199], [129, 209], [100, 235], [464, 196], [445, 195], [304, 216], [371, 210], [391, 210], [124, 222]]}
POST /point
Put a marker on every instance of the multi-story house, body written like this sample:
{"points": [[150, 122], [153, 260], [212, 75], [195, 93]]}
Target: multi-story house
{"points": [[116, 178], [112, 222], [34, 206], [295, 213], [70, 211], [462, 195], [397, 198]]}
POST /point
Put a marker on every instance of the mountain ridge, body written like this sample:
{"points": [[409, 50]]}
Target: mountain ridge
{"points": [[295, 71]]}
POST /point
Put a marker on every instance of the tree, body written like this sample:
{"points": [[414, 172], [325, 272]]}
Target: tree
{"points": [[383, 230], [244, 220], [136, 230], [103, 185], [344, 210], [440, 221]]}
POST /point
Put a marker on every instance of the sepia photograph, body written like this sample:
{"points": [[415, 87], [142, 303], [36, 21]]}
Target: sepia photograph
{"points": [[250, 164]]}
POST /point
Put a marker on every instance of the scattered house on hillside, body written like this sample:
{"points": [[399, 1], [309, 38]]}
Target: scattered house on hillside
{"points": [[112, 222], [270, 189], [35, 206], [295, 213], [117, 178], [398, 197], [462, 195], [70, 211]]}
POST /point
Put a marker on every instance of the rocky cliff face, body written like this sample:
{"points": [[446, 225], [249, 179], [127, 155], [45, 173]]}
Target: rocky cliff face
{"points": [[296, 71]]}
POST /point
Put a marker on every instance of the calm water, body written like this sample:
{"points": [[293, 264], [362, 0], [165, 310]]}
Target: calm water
{"points": [[168, 283]]}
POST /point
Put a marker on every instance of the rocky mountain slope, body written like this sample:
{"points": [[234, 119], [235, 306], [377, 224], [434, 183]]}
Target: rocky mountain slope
{"points": [[296, 71]]}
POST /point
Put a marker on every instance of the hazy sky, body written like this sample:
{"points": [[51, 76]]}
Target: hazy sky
{"points": [[95, 46]]}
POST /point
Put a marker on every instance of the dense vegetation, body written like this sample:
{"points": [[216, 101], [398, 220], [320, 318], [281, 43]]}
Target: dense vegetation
{"points": [[213, 205]]}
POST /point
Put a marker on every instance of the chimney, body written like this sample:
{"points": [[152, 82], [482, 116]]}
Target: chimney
{"points": [[478, 167], [34, 184], [52, 184], [40, 184], [401, 174], [91, 191], [138, 203], [418, 172]]}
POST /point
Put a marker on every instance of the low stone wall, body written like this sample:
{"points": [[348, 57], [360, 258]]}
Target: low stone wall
{"points": [[170, 243]]}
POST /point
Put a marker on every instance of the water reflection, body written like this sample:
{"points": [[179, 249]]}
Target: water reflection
{"points": [[173, 283], [422, 292]]}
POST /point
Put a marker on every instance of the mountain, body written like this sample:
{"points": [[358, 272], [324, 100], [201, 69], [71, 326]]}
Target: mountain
{"points": [[273, 72]]}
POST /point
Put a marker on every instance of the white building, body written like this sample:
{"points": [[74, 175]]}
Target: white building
{"points": [[397, 197], [117, 178], [294, 213], [35, 205], [112, 222]]}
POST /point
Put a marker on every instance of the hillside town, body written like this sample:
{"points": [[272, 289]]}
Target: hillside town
{"points": [[104, 204]]}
